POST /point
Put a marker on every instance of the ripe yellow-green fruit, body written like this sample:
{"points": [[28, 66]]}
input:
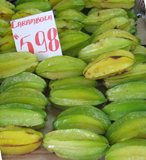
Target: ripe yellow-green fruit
{"points": [[15, 140], [109, 64]]}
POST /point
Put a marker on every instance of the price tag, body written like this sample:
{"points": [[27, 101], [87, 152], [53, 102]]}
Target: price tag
{"points": [[0, 155], [37, 34]]}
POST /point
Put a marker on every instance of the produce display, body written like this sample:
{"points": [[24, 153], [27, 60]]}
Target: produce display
{"points": [[98, 85]]}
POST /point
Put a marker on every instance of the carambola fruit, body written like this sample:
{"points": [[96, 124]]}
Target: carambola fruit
{"points": [[8, 31], [24, 95], [127, 90], [139, 50], [88, 27], [64, 24], [109, 64], [130, 149], [23, 1], [2, 30], [7, 4], [72, 39], [118, 109], [137, 72], [15, 140], [6, 13], [92, 10], [68, 4], [140, 58], [73, 52], [59, 67], [22, 115], [7, 43], [41, 5], [93, 50], [99, 17], [23, 80], [117, 33], [4, 23], [53, 84], [83, 117], [76, 95], [25, 12], [54, 2], [88, 4], [79, 144], [122, 23], [3, 26], [113, 4], [12, 63], [130, 126], [71, 14]]}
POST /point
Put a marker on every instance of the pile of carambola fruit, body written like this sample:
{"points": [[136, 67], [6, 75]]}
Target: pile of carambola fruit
{"points": [[100, 48]]}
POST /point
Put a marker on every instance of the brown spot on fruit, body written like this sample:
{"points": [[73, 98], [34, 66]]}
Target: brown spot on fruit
{"points": [[116, 57], [4, 44], [115, 27]]}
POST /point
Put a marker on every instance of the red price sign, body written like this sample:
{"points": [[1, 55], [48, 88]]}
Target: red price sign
{"points": [[37, 34]]}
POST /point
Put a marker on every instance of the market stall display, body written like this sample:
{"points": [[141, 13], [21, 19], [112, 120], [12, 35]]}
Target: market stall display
{"points": [[66, 102]]}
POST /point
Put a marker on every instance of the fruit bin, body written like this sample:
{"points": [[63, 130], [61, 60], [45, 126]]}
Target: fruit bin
{"points": [[52, 112]]}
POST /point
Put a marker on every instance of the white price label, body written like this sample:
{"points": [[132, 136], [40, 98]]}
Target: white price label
{"points": [[0, 155], [37, 34]]}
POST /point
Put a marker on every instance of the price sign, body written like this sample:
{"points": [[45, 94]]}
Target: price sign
{"points": [[0, 155], [37, 34]]}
